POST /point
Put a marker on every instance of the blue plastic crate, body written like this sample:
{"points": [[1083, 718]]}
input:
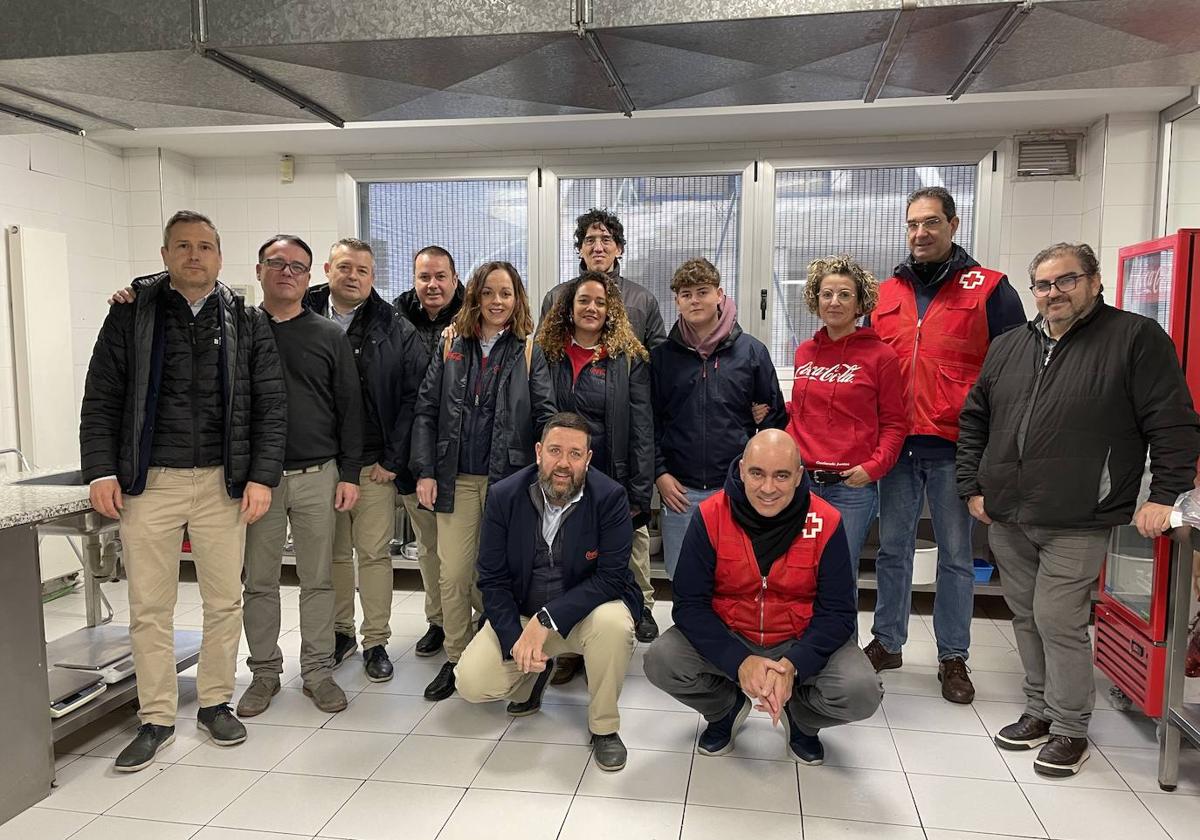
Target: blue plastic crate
{"points": [[983, 570]]}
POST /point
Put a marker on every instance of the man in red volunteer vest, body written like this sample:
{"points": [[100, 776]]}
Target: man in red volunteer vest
{"points": [[765, 609], [940, 311]]}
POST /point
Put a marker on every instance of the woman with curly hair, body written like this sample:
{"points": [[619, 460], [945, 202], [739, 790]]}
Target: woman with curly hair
{"points": [[847, 410], [599, 370], [478, 414]]}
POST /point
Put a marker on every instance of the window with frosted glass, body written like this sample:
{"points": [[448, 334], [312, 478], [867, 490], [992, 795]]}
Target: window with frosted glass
{"points": [[668, 220], [475, 220], [859, 212]]}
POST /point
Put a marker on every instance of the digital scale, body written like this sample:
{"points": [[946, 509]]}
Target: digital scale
{"points": [[105, 653], [70, 689]]}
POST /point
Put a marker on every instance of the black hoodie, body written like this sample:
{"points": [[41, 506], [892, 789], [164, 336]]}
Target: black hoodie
{"points": [[429, 330]]}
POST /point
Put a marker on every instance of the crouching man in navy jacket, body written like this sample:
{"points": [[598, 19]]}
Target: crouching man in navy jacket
{"points": [[765, 609], [554, 576]]}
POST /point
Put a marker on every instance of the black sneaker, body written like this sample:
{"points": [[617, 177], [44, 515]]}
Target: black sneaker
{"points": [[647, 627], [806, 749], [608, 751], [220, 724], [140, 753], [343, 645], [534, 703], [1028, 732], [442, 685], [717, 739], [378, 666], [431, 642], [1061, 756]]}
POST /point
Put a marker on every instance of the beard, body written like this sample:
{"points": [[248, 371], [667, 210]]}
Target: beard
{"points": [[553, 495]]}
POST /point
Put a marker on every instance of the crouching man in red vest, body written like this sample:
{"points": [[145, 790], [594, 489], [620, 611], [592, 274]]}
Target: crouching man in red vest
{"points": [[765, 609]]}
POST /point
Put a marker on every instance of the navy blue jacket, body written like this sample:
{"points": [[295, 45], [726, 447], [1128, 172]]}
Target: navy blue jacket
{"points": [[597, 536], [835, 607], [702, 416]]}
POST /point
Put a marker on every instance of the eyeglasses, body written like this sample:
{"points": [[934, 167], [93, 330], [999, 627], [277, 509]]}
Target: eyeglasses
{"points": [[603, 240], [1066, 283], [931, 224], [844, 296], [298, 269]]}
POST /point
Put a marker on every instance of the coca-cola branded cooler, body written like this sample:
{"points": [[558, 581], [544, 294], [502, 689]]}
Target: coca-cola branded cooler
{"points": [[1154, 279]]}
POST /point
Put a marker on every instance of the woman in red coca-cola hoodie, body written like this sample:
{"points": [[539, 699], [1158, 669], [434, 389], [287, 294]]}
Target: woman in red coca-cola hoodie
{"points": [[847, 410]]}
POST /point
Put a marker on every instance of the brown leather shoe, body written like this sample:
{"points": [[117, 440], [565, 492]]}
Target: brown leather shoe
{"points": [[569, 665], [956, 684], [1028, 732], [881, 658], [1061, 756]]}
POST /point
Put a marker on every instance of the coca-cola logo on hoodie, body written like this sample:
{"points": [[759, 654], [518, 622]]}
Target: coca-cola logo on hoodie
{"points": [[827, 373]]}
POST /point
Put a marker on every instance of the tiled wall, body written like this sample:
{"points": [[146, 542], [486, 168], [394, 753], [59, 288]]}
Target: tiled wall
{"points": [[1130, 153], [1183, 196]]}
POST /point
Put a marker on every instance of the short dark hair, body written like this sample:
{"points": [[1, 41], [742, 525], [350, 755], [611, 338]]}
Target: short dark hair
{"points": [[940, 193], [183, 217], [596, 216], [353, 243], [695, 272], [567, 420], [435, 251], [285, 237], [1078, 250]]}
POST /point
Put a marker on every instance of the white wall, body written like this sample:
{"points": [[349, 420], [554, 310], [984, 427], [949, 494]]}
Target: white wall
{"points": [[79, 188], [1183, 193], [1127, 217]]}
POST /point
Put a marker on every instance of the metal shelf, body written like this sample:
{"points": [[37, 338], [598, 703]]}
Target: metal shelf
{"points": [[1180, 719]]}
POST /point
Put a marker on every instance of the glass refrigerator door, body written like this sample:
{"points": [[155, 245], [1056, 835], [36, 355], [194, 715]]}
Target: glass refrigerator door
{"points": [[1129, 572], [1146, 285]]}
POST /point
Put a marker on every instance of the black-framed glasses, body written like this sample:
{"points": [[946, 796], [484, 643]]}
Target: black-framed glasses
{"points": [[298, 269], [1066, 283]]}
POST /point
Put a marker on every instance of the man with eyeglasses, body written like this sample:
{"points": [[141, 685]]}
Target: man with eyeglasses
{"points": [[183, 425], [321, 469], [1052, 446], [382, 340], [600, 241], [940, 311]]}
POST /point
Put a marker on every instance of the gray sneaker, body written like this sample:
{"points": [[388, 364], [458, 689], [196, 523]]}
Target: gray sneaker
{"points": [[141, 750], [257, 697], [327, 695], [220, 724]]}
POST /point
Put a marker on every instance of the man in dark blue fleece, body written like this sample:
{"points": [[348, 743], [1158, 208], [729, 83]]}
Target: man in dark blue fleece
{"points": [[765, 609]]}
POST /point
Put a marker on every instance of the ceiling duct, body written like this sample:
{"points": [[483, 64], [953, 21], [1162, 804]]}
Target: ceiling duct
{"points": [[1048, 156], [999, 37]]}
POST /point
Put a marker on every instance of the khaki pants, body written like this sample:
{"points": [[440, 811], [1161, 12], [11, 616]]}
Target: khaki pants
{"points": [[306, 501], [458, 551], [424, 525], [639, 563], [604, 638], [152, 532], [366, 531]]}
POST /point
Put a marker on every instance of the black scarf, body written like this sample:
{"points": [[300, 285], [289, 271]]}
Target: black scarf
{"points": [[770, 536]]}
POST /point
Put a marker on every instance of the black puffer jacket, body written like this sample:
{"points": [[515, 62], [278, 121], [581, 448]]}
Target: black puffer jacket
{"points": [[628, 422], [1063, 443], [429, 332], [524, 403], [390, 368], [114, 435]]}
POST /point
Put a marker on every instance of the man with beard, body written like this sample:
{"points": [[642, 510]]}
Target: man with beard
{"points": [[554, 576]]}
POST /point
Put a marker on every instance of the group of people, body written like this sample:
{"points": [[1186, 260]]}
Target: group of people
{"points": [[527, 460]]}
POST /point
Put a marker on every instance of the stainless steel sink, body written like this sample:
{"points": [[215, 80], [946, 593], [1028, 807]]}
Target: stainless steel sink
{"points": [[73, 478]]}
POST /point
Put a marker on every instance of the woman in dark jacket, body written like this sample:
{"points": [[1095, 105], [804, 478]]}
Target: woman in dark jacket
{"points": [[479, 412], [599, 370]]}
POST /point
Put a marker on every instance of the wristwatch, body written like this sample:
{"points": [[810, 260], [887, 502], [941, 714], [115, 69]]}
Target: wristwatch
{"points": [[543, 618]]}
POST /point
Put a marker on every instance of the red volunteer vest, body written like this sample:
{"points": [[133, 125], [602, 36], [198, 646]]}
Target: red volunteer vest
{"points": [[940, 354], [770, 610]]}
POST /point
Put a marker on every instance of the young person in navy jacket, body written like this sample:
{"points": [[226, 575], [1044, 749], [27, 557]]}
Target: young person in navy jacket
{"points": [[847, 410], [554, 576], [765, 609]]}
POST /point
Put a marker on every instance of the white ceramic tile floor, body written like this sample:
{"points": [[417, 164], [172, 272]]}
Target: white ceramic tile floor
{"points": [[919, 768]]}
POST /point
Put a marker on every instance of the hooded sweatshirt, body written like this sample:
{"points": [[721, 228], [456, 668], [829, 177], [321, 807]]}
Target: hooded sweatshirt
{"points": [[847, 403]]}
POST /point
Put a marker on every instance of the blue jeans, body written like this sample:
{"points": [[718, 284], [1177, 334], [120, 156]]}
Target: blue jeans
{"points": [[858, 506], [675, 525], [900, 494]]}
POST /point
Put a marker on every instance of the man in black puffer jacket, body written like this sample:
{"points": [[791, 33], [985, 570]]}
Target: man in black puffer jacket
{"points": [[430, 305], [1051, 450], [389, 371], [183, 424]]}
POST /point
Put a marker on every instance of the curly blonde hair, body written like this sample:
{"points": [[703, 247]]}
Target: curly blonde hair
{"points": [[866, 287], [616, 336]]}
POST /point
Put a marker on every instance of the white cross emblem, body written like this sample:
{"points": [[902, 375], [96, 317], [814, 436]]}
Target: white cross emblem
{"points": [[972, 280], [812, 525]]}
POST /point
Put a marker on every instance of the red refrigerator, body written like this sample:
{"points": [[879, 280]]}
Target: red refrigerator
{"points": [[1155, 279]]}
